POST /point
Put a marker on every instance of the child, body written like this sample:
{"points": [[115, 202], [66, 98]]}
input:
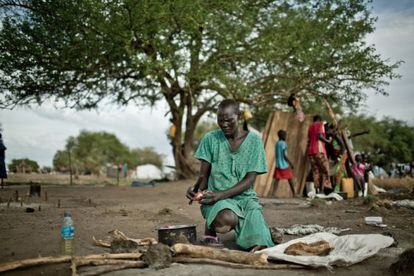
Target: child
{"points": [[358, 170], [284, 166]]}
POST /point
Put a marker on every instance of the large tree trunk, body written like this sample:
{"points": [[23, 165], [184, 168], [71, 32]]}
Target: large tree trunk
{"points": [[182, 143], [185, 164]]}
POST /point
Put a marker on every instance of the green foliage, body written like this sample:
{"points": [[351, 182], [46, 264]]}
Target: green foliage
{"points": [[191, 53], [23, 165], [144, 156], [389, 140], [61, 161], [256, 51], [90, 151]]}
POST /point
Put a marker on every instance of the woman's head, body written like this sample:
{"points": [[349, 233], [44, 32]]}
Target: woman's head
{"points": [[228, 115]]}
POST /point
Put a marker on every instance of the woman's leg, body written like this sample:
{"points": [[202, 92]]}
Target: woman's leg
{"points": [[315, 171], [225, 221], [252, 232], [323, 165]]}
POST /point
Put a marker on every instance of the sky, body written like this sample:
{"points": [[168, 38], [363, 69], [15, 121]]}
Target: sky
{"points": [[38, 132]]}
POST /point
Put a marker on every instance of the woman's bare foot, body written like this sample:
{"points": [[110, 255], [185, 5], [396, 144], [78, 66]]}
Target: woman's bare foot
{"points": [[257, 248]]}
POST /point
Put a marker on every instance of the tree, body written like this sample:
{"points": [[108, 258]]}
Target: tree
{"points": [[144, 156], [24, 165], [191, 53], [90, 151], [61, 161], [389, 140]]}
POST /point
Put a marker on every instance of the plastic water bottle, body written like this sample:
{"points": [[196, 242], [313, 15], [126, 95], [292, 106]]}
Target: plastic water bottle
{"points": [[67, 233]]}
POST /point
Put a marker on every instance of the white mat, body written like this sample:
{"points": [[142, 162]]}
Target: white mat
{"points": [[348, 249]]}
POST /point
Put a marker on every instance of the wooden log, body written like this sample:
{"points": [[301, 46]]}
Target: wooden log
{"points": [[78, 261], [186, 260], [101, 243], [114, 256], [34, 262], [118, 235], [63, 259], [232, 256], [84, 262], [110, 269]]}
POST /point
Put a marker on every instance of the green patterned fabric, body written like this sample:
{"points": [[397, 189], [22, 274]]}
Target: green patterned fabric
{"points": [[227, 169]]}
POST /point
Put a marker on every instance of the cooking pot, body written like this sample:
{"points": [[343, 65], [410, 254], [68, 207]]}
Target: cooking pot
{"points": [[172, 234]]}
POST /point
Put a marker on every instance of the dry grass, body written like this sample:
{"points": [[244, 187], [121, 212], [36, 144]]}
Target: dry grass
{"points": [[63, 179], [390, 183]]}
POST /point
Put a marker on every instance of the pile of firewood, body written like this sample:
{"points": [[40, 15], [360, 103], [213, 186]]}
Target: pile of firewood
{"points": [[156, 256]]}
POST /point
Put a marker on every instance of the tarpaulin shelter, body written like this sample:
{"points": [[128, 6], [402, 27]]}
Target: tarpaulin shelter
{"points": [[147, 171], [297, 135]]}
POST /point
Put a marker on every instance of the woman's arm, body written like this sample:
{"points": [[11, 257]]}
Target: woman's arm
{"points": [[202, 181], [211, 197]]}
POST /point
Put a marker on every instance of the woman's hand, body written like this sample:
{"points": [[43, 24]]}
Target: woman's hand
{"points": [[190, 192], [211, 197]]}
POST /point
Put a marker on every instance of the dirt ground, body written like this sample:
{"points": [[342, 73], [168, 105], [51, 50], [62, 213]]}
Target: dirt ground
{"points": [[138, 211]]}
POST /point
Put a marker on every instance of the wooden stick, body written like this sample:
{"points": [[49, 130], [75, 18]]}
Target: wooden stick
{"points": [[118, 235], [113, 256], [78, 261], [34, 262], [84, 262], [100, 242], [185, 260], [74, 267], [111, 268], [233, 256], [64, 259]]}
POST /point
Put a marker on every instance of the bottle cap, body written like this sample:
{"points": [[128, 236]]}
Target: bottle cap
{"points": [[67, 214]]}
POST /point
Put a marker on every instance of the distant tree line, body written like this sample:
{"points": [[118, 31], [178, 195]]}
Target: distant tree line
{"points": [[389, 140], [89, 152], [23, 165]]}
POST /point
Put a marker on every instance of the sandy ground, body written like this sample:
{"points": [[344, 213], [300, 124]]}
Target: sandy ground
{"points": [[138, 211]]}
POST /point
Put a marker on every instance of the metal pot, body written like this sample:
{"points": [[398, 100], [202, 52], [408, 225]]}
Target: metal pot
{"points": [[172, 234]]}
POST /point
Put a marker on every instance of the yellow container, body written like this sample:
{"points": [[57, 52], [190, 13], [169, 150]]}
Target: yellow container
{"points": [[347, 186]]}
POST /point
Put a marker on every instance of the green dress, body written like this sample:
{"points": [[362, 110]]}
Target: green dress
{"points": [[227, 169]]}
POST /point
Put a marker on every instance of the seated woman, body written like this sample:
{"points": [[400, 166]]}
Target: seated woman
{"points": [[230, 160]]}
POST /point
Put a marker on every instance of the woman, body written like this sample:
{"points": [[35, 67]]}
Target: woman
{"points": [[231, 158], [3, 173], [317, 155]]}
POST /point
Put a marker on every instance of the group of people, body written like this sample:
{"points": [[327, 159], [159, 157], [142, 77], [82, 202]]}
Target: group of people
{"points": [[231, 158], [327, 157]]}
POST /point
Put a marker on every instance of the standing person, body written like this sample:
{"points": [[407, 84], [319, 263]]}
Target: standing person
{"points": [[231, 158], [317, 155], [284, 166], [358, 171], [3, 172]]}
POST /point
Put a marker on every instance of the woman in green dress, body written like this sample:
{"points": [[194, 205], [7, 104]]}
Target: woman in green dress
{"points": [[231, 158]]}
